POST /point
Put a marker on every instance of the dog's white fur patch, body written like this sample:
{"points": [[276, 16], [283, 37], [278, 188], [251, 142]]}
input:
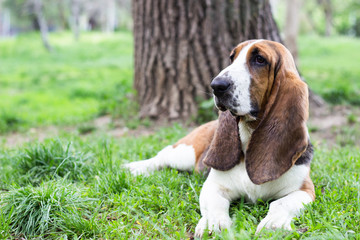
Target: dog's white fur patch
{"points": [[239, 74], [221, 187], [244, 134], [182, 158], [283, 210]]}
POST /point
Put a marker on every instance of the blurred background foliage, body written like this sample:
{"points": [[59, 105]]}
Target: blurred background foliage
{"points": [[344, 16], [104, 15], [110, 15], [89, 70]]}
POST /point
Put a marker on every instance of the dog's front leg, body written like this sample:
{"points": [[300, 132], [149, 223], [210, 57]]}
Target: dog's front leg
{"points": [[214, 207], [283, 210]]}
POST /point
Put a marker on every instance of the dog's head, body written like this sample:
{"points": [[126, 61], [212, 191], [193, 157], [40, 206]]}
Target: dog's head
{"points": [[245, 86], [261, 85]]}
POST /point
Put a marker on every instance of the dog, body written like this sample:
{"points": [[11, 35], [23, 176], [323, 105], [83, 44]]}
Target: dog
{"points": [[259, 148]]}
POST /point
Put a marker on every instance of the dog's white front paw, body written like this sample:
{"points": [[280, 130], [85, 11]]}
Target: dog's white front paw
{"points": [[139, 168], [213, 224], [201, 227], [276, 220]]}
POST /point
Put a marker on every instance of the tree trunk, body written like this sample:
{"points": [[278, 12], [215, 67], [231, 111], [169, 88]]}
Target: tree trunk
{"points": [[328, 16], [62, 14], [38, 10], [291, 30], [75, 18], [109, 18], [5, 22], [180, 46]]}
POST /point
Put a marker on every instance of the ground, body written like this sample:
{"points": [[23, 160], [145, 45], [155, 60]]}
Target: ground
{"points": [[334, 125], [329, 125]]}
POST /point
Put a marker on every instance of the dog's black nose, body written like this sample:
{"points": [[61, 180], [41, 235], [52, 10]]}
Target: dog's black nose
{"points": [[220, 85]]}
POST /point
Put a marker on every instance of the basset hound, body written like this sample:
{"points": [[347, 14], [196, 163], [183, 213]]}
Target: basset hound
{"points": [[259, 147]]}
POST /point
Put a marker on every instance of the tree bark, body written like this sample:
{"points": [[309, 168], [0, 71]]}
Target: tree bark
{"points": [[109, 19], [291, 30], [39, 13], [62, 14], [75, 6], [5, 22], [180, 46], [326, 4]]}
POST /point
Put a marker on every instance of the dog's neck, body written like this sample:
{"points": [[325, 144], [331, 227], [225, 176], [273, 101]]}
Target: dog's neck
{"points": [[245, 131], [247, 124]]}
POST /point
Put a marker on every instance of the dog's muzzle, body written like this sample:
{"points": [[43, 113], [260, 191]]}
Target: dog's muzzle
{"points": [[221, 89], [220, 85]]}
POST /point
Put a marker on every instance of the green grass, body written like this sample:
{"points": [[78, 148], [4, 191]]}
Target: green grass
{"points": [[75, 83], [53, 159], [44, 210], [112, 204], [72, 186], [331, 67], [82, 80]]}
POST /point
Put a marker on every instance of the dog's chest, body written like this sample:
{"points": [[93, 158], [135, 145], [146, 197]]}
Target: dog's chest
{"points": [[244, 134], [236, 183]]}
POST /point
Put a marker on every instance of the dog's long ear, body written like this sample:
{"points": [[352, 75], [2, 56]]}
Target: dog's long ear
{"points": [[281, 136], [225, 149]]}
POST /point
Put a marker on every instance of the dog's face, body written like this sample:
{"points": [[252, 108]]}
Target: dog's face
{"points": [[244, 87], [261, 85]]}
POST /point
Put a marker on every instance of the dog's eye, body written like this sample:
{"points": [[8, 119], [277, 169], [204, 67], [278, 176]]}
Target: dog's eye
{"points": [[260, 60], [232, 55]]}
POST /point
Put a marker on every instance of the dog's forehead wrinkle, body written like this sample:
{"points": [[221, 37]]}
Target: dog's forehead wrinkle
{"points": [[244, 51]]}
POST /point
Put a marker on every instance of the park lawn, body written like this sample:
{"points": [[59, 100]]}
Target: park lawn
{"points": [[72, 186], [331, 67], [77, 82], [60, 190], [82, 80]]}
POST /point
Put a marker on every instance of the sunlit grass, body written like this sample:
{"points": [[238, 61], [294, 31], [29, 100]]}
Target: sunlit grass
{"points": [[51, 160], [41, 211], [166, 204], [83, 79], [77, 82], [331, 67]]}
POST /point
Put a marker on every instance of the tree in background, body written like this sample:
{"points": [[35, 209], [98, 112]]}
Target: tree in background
{"points": [[38, 9], [329, 17], [292, 24], [75, 7], [5, 21], [33, 10], [327, 7], [99, 14], [74, 15], [180, 46]]}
